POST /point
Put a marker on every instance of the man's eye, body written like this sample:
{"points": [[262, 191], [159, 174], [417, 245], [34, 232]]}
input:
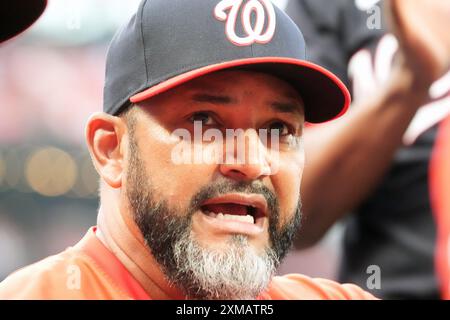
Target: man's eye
{"points": [[283, 128], [203, 117]]}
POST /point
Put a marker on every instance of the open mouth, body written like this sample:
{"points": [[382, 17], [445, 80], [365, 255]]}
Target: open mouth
{"points": [[242, 208]]}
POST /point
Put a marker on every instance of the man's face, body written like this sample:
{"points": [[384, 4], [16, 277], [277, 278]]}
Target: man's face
{"points": [[218, 229]]}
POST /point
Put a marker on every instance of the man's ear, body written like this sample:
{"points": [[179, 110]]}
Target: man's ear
{"points": [[104, 137]]}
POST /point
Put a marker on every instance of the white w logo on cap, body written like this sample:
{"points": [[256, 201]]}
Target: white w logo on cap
{"points": [[254, 32]]}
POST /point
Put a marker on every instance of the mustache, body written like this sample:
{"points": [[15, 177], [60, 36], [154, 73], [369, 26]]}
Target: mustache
{"points": [[224, 186]]}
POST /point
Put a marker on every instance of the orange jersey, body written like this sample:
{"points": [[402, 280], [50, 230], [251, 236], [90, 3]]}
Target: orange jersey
{"points": [[89, 271]]}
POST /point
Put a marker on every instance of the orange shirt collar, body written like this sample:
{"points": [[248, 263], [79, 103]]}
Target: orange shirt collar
{"points": [[95, 249]]}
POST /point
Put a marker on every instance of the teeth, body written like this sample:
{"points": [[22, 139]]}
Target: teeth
{"points": [[246, 218], [221, 216]]}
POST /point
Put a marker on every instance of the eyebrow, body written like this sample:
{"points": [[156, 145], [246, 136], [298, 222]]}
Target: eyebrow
{"points": [[282, 107]]}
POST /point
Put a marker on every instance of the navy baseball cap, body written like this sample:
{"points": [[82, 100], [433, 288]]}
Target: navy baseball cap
{"points": [[170, 42], [18, 15]]}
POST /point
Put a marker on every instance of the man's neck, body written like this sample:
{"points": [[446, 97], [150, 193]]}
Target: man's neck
{"points": [[123, 238]]}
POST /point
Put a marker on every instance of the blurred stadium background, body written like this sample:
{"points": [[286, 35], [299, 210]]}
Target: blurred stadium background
{"points": [[51, 80]]}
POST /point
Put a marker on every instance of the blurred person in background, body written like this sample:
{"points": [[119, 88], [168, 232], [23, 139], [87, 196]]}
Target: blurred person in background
{"points": [[375, 161]]}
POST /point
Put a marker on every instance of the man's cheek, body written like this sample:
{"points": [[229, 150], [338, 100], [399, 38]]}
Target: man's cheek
{"points": [[287, 185], [179, 183]]}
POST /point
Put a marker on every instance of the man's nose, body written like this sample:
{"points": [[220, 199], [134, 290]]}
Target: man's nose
{"points": [[246, 157]]}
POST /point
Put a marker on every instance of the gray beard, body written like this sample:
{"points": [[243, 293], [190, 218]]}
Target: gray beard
{"points": [[236, 273]]}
